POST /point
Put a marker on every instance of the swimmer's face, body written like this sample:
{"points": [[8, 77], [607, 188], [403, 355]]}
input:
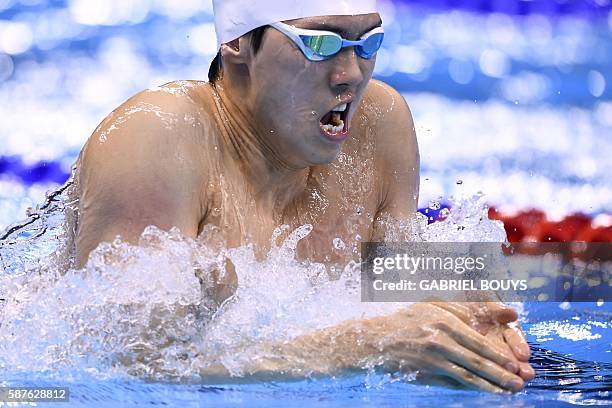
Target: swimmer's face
{"points": [[292, 97]]}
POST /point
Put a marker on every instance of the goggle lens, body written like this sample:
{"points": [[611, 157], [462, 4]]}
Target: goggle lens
{"points": [[371, 46], [323, 45]]}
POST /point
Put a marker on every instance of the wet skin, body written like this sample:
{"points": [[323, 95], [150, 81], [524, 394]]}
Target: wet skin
{"points": [[246, 154]]}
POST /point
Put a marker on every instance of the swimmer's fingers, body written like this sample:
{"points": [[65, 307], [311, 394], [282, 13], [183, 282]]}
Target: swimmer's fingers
{"points": [[513, 335], [481, 367], [477, 343], [471, 380], [526, 371], [501, 313], [515, 338]]}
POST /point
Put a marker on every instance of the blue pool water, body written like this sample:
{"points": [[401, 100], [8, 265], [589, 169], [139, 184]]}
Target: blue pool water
{"points": [[512, 98]]}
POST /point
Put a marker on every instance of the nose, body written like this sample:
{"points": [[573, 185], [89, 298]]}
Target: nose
{"points": [[347, 70]]}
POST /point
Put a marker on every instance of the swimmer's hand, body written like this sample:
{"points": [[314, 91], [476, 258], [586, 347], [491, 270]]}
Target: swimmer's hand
{"points": [[498, 323], [442, 349]]}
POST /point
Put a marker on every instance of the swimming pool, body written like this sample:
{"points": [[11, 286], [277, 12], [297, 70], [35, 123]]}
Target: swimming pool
{"points": [[532, 96]]}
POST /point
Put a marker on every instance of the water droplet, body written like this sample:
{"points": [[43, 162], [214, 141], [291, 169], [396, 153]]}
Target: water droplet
{"points": [[459, 182], [339, 243], [314, 113]]}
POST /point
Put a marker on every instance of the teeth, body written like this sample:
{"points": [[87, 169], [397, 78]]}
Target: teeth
{"points": [[334, 129], [340, 108]]}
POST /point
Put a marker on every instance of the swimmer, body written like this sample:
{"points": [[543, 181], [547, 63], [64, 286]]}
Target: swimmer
{"points": [[291, 129]]}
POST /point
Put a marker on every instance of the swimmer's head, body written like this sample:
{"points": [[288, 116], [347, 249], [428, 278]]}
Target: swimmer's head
{"points": [[289, 89]]}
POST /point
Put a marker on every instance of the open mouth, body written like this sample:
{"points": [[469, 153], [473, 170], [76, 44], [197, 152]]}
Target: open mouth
{"points": [[335, 124]]}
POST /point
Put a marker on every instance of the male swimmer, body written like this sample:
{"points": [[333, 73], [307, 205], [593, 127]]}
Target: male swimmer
{"points": [[291, 129]]}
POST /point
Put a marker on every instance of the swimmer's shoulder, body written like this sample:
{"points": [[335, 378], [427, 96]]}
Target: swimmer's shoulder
{"points": [[383, 104], [154, 143], [387, 114], [160, 124]]}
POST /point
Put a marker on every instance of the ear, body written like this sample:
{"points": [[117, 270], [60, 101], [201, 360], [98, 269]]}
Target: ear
{"points": [[237, 51]]}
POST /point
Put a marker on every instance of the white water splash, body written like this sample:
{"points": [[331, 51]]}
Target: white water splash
{"points": [[565, 330], [141, 309]]}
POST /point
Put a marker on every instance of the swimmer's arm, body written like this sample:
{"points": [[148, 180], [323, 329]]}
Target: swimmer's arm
{"points": [[139, 169], [423, 338], [398, 161]]}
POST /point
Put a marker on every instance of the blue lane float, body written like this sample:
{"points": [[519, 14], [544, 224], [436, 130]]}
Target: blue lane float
{"points": [[435, 214], [28, 174]]}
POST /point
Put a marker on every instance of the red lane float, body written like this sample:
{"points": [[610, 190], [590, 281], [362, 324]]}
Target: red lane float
{"points": [[533, 226]]}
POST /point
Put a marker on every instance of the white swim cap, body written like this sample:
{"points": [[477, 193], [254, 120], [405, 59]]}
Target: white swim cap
{"points": [[234, 18]]}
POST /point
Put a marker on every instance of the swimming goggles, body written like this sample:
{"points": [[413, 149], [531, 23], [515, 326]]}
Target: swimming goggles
{"points": [[322, 45]]}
